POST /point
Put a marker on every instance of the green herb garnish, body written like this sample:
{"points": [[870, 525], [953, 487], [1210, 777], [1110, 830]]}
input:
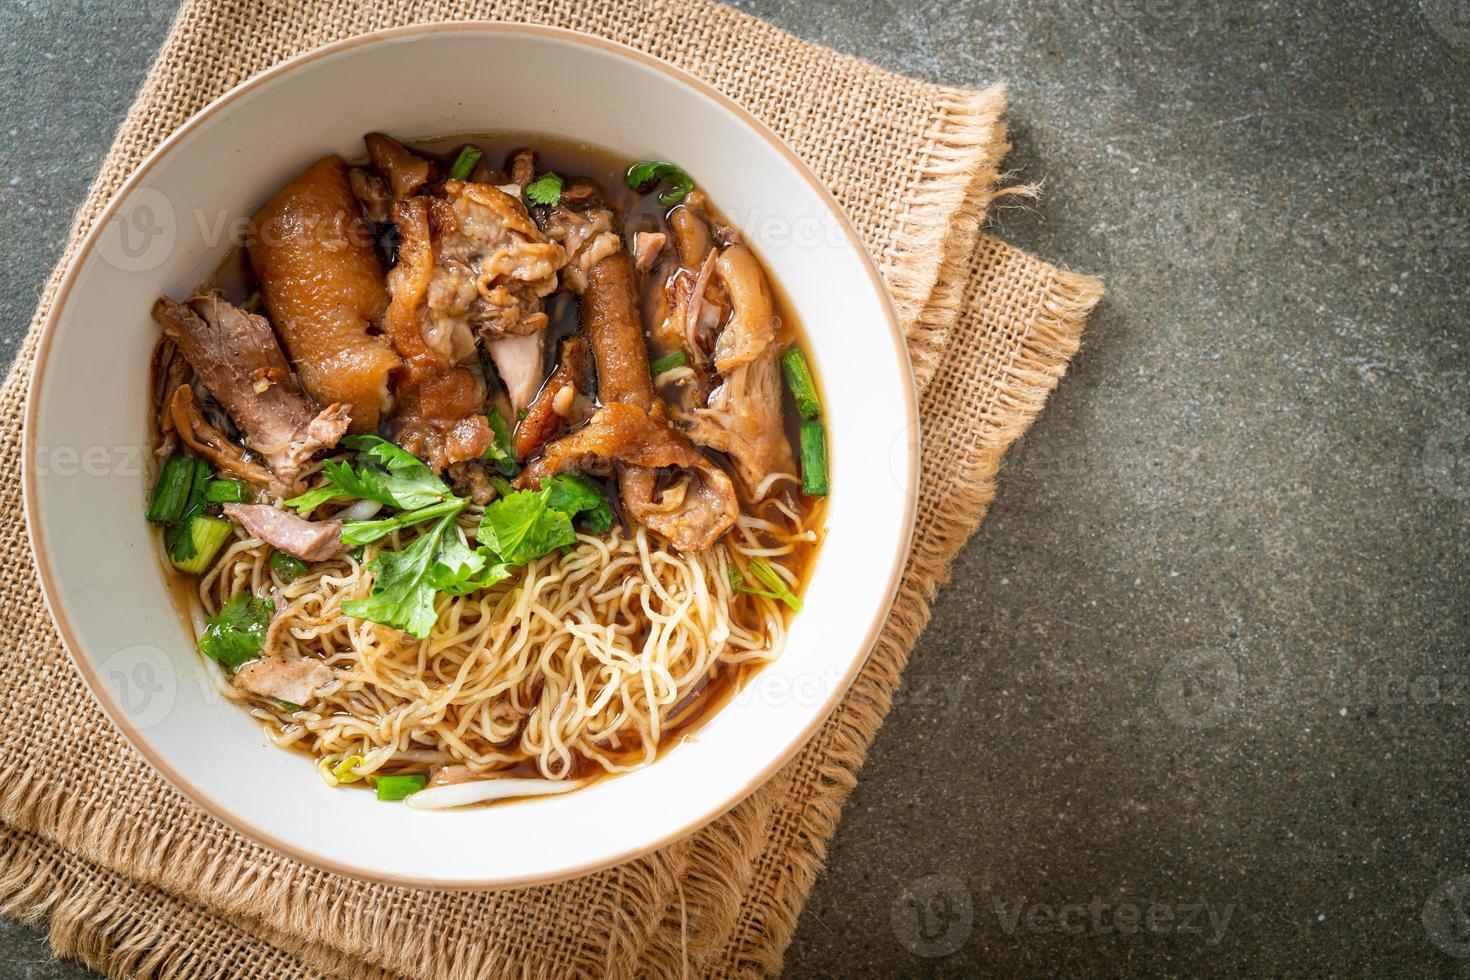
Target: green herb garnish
{"points": [[502, 451], [171, 491], [226, 492], [644, 177], [799, 380], [366, 532], [813, 438], [668, 362], [235, 636], [545, 189], [383, 473], [392, 788], [575, 495], [206, 535], [464, 164], [775, 586], [402, 596], [288, 568], [179, 536], [522, 526]]}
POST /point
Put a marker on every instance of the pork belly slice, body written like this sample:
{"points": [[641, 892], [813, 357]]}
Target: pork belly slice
{"points": [[323, 288], [293, 679], [284, 531], [239, 362]]}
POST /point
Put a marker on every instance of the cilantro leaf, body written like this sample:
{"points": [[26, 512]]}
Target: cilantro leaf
{"points": [[644, 177], [402, 596], [235, 636], [366, 532], [573, 494], [459, 569], [521, 526], [384, 473], [545, 189]]}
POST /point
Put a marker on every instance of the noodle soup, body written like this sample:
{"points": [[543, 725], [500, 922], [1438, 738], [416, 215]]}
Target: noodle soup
{"points": [[489, 466]]}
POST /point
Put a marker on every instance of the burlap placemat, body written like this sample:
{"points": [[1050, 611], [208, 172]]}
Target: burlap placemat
{"points": [[134, 880]]}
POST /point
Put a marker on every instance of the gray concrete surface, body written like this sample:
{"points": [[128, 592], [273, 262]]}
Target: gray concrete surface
{"points": [[1196, 699]]}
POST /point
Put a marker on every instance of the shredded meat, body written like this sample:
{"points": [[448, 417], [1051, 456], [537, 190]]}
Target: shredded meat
{"points": [[284, 531], [493, 268], [692, 506], [694, 309], [407, 172], [439, 393], [372, 192], [562, 401], [494, 265], [646, 248], [743, 416], [212, 444], [167, 371], [240, 364], [323, 288], [522, 167], [292, 679], [588, 236], [468, 479]]}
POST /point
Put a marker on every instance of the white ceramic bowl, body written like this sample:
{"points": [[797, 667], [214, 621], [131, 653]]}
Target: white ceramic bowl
{"points": [[167, 229]]}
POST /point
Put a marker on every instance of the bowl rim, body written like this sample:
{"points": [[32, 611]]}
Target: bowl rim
{"points": [[54, 597]]}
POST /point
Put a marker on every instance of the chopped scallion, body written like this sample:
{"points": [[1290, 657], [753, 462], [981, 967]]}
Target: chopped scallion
{"points": [[205, 535], [668, 362], [288, 568], [464, 164], [226, 492], [767, 576], [398, 787], [799, 380], [171, 492], [814, 459]]}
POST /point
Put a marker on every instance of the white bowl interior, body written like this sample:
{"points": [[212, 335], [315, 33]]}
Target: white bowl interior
{"points": [[87, 485]]}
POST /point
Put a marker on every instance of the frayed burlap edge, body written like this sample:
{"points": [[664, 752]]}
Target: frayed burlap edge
{"points": [[123, 929], [956, 182]]}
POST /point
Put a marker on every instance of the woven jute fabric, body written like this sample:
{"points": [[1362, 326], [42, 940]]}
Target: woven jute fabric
{"points": [[136, 881]]}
